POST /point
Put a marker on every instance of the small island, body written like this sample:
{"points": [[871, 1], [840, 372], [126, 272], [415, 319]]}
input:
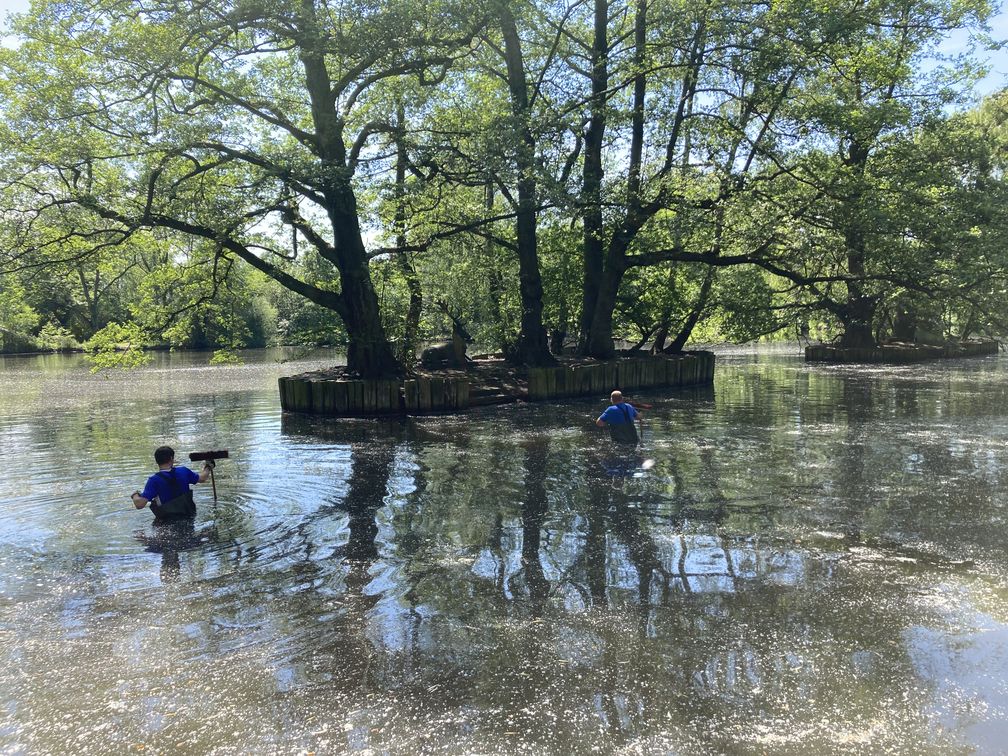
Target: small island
{"points": [[900, 353], [488, 381]]}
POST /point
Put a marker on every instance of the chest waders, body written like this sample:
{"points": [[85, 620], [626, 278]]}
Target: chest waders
{"points": [[624, 433], [180, 505]]}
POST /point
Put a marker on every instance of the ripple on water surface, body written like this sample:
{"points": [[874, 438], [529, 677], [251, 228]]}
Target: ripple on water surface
{"points": [[806, 558]]}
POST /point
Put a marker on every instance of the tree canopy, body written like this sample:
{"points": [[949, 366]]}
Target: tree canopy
{"points": [[236, 172]]}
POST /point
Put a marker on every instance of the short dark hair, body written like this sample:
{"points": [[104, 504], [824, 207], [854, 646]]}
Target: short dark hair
{"points": [[164, 454]]}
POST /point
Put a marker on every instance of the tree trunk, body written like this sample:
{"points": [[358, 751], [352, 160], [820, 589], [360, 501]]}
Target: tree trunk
{"points": [[857, 318], [604, 271], [858, 312], [694, 316], [412, 325], [637, 119], [369, 353], [969, 325], [90, 297], [532, 347], [591, 189], [661, 335], [560, 332], [600, 337], [495, 283]]}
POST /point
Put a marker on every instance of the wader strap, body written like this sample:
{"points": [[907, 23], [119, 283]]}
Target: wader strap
{"points": [[181, 503], [169, 477], [624, 433]]}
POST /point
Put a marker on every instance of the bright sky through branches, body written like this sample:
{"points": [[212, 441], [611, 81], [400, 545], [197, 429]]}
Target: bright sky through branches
{"points": [[998, 59]]}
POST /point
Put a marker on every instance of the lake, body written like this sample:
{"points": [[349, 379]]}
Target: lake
{"points": [[803, 559]]}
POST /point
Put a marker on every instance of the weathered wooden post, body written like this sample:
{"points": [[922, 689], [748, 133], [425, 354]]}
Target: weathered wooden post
{"points": [[535, 391], [426, 397], [689, 369], [302, 395], [436, 394], [282, 388], [561, 381]]}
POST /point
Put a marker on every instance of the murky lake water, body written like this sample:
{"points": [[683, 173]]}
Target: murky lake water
{"points": [[816, 562]]}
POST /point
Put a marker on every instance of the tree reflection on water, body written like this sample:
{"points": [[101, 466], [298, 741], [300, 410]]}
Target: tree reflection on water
{"points": [[815, 558], [554, 576]]}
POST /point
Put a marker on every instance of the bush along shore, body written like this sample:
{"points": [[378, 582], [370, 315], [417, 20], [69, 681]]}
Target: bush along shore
{"points": [[487, 382]]}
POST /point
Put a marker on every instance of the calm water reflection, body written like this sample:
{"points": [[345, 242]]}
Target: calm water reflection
{"points": [[815, 562]]}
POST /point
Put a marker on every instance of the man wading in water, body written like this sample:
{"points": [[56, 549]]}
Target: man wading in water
{"points": [[619, 418], [167, 491]]}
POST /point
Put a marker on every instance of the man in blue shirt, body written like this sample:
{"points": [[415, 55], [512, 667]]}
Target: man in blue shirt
{"points": [[167, 491], [619, 418]]}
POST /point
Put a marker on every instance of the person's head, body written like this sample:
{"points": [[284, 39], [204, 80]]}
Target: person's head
{"points": [[616, 397], [163, 455]]}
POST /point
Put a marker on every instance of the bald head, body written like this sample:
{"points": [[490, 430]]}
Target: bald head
{"points": [[616, 397]]}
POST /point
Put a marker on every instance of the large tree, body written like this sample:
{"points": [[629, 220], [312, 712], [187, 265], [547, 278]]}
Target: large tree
{"points": [[683, 113], [876, 164], [234, 122]]}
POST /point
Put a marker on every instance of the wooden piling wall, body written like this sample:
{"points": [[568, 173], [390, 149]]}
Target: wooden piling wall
{"points": [[628, 374], [421, 395], [320, 396], [317, 395], [898, 354]]}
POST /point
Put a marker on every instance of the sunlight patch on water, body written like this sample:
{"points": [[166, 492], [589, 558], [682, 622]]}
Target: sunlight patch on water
{"points": [[813, 560]]}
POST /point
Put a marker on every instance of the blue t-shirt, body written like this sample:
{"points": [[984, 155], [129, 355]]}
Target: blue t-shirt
{"points": [[614, 415], [158, 485]]}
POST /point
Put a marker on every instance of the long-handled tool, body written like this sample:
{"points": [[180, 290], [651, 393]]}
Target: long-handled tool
{"points": [[211, 456]]}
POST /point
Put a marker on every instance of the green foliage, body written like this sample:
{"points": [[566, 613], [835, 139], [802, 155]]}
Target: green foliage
{"points": [[226, 357], [55, 338], [824, 174], [302, 323], [744, 299], [117, 346], [654, 297], [17, 318]]}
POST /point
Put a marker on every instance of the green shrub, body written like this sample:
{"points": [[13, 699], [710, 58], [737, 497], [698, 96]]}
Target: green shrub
{"points": [[226, 357], [55, 338], [117, 346]]}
